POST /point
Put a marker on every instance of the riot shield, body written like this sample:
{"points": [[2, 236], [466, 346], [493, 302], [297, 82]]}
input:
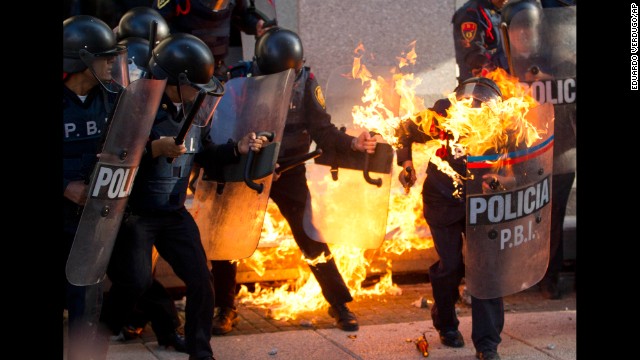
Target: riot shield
{"points": [[507, 231], [544, 60], [229, 213], [112, 181], [349, 192]]}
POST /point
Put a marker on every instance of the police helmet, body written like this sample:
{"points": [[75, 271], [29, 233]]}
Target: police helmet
{"points": [[137, 50], [278, 50], [530, 12], [85, 32], [186, 54], [480, 89], [137, 23]]}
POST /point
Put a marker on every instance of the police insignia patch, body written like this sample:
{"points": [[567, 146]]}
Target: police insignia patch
{"points": [[162, 3], [468, 32], [319, 96]]}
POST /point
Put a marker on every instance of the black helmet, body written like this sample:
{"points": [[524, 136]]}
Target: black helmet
{"points": [[186, 54], [529, 8], [278, 50], [137, 51], [480, 89], [84, 32], [137, 23]]}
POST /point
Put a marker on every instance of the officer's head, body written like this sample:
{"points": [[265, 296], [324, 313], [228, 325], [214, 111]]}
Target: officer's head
{"points": [[89, 43], [480, 89], [137, 23], [187, 64], [523, 19], [138, 56], [278, 50]]}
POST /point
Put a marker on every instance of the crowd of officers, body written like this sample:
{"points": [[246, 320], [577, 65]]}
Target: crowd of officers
{"points": [[185, 48]]}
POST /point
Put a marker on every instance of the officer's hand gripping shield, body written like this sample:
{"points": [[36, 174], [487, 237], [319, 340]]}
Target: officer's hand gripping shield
{"points": [[350, 192], [229, 213], [112, 180]]}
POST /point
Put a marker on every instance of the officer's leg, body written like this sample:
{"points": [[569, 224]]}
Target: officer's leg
{"points": [[159, 308], [224, 282], [445, 275], [333, 287], [487, 321], [181, 247]]}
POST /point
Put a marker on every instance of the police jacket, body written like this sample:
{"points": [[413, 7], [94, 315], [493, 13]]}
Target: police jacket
{"points": [[83, 127], [214, 28], [161, 185], [307, 118], [477, 38]]}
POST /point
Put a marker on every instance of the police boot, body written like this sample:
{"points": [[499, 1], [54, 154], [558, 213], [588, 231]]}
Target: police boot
{"points": [[174, 340], [224, 321], [345, 319]]}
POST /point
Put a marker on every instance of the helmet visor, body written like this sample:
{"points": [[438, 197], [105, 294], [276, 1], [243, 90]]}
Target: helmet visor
{"points": [[200, 100], [215, 5], [109, 67]]}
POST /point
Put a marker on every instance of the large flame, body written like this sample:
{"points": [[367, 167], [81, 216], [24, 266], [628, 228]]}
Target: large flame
{"points": [[477, 129]]}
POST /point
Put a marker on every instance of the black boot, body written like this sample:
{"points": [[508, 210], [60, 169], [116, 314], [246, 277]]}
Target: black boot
{"points": [[345, 319], [173, 340], [224, 321]]}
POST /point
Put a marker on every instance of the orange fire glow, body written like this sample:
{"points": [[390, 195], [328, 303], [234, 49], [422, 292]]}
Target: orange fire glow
{"points": [[476, 129]]}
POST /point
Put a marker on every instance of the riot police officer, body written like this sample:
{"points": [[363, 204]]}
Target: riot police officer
{"points": [[278, 50], [156, 304], [156, 214], [477, 38], [445, 212], [90, 54]]}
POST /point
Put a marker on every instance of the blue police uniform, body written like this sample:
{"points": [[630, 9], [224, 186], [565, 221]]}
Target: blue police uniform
{"points": [[83, 127], [477, 38], [156, 216]]}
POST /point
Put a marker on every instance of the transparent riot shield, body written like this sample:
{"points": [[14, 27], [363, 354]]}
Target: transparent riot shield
{"points": [[507, 232], [544, 59], [349, 192], [229, 206], [112, 181]]}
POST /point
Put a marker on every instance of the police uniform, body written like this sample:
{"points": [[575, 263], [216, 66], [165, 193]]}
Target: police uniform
{"points": [[214, 28], [477, 38], [156, 215], [307, 120], [83, 128], [445, 214]]}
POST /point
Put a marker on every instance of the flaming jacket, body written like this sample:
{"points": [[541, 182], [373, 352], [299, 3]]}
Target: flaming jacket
{"points": [[161, 185], [477, 38]]}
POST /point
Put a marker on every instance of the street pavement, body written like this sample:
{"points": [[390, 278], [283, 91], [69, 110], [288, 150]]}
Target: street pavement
{"points": [[390, 324]]}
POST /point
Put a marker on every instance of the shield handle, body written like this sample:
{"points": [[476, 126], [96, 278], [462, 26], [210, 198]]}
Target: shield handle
{"points": [[247, 169], [365, 170]]}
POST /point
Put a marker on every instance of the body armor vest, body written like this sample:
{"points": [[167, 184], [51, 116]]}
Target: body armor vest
{"points": [[161, 185]]}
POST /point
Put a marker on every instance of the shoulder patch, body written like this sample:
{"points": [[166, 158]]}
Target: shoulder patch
{"points": [[163, 3], [319, 97], [468, 32], [311, 76]]}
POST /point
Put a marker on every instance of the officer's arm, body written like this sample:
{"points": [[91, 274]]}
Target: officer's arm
{"points": [[469, 38]]}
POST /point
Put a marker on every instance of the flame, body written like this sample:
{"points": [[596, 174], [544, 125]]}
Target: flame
{"points": [[476, 129], [377, 113]]}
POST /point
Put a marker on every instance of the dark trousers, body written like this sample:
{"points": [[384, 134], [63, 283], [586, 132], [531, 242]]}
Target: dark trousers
{"points": [[83, 304], [560, 191], [445, 275], [156, 306], [291, 206], [177, 239]]}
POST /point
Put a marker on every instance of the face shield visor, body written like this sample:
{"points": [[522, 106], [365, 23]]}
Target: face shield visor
{"points": [[108, 67], [199, 101], [215, 5]]}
